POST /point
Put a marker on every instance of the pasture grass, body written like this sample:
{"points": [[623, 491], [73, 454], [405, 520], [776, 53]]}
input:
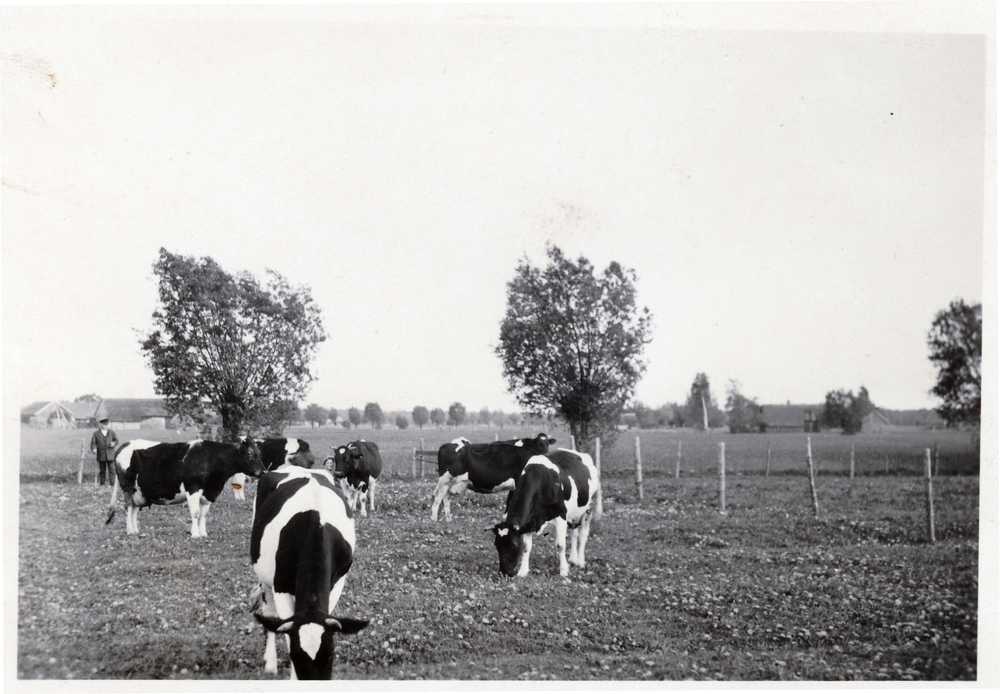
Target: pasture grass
{"points": [[673, 590]]}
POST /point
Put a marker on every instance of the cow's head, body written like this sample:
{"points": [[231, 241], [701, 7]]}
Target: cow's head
{"points": [[341, 461], [510, 546], [543, 441], [249, 458], [301, 456], [310, 640]]}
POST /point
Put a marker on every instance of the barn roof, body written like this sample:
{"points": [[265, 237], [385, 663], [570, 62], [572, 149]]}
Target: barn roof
{"points": [[82, 410], [35, 407], [788, 415], [135, 409]]}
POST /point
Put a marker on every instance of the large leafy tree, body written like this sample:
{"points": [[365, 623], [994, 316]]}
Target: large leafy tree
{"points": [[229, 344], [956, 346], [438, 417], [354, 416], [571, 342]]}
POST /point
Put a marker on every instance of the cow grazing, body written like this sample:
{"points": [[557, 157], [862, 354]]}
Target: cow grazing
{"points": [[554, 489], [486, 468], [150, 473], [357, 465], [301, 548]]}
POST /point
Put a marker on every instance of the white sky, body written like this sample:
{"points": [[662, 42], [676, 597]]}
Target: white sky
{"points": [[797, 204]]}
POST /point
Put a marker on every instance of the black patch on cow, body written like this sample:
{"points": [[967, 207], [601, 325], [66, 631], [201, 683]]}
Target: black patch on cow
{"points": [[156, 471], [310, 559], [267, 505], [537, 499]]}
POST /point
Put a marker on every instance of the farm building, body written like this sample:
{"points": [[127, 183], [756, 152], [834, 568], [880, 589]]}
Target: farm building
{"points": [[87, 413], [48, 415], [791, 418], [133, 413], [876, 421]]}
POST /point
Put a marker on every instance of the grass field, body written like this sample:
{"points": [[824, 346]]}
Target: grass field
{"points": [[673, 590]]}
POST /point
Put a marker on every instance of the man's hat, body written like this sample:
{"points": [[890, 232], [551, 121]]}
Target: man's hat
{"points": [[103, 420]]}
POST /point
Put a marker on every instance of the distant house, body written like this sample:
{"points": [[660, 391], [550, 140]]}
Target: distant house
{"points": [[48, 415], [86, 413], [876, 421], [137, 413], [790, 418]]}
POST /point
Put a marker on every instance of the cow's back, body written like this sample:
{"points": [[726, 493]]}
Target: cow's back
{"points": [[373, 459], [300, 511], [576, 472], [157, 470]]}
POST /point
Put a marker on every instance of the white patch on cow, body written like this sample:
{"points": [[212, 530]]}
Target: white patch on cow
{"points": [[505, 485], [520, 443], [124, 457], [284, 605], [294, 472], [502, 532], [310, 638], [314, 496], [459, 443], [541, 460]]}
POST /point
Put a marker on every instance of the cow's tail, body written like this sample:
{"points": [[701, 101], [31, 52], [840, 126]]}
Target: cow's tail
{"points": [[114, 498]]}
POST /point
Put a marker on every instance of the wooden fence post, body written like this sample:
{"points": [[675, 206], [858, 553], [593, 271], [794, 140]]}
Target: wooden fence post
{"points": [[677, 470], [767, 469], [599, 501], [812, 477], [572, 442], [638, 468], [852, 461], [421, 458], [79, 475], [722, 477], [930, 495], [413, 465], [496, 437]]}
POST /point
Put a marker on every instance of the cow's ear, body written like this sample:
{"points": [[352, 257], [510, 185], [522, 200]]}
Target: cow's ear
{"points": [[274, 623], [346, 625]]}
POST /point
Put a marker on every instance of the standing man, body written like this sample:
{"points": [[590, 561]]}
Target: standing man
{"points": [[104, 442]]}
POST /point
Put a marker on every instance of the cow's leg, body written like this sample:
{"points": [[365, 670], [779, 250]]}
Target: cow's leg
{"points": [[560, 524], [582, 534], [194, 506], [459, 485], [132, 519], [440, 494], [360, 499], [525, 554], [371, 494], [205, 505], [270, 650]]}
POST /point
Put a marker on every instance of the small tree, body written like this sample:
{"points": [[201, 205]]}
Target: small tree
{"points": [[846, 411], [373, 415], [515, 419], [744, 413], [272, 420], [89, 397], [956, 349], [438, 417], [571, 342], [472, 418], [499, 418], [315, 415], [485, 416], [701, 410], [332, 414], [456, 414], [401, 421], [228, 344], [354, 417], [420, 416]]}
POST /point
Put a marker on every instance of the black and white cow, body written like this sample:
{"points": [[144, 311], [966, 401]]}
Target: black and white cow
{"points": [[486, 468], [357, 465], [150, 473], [301, 547], [554, 489], [276, 452]]}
